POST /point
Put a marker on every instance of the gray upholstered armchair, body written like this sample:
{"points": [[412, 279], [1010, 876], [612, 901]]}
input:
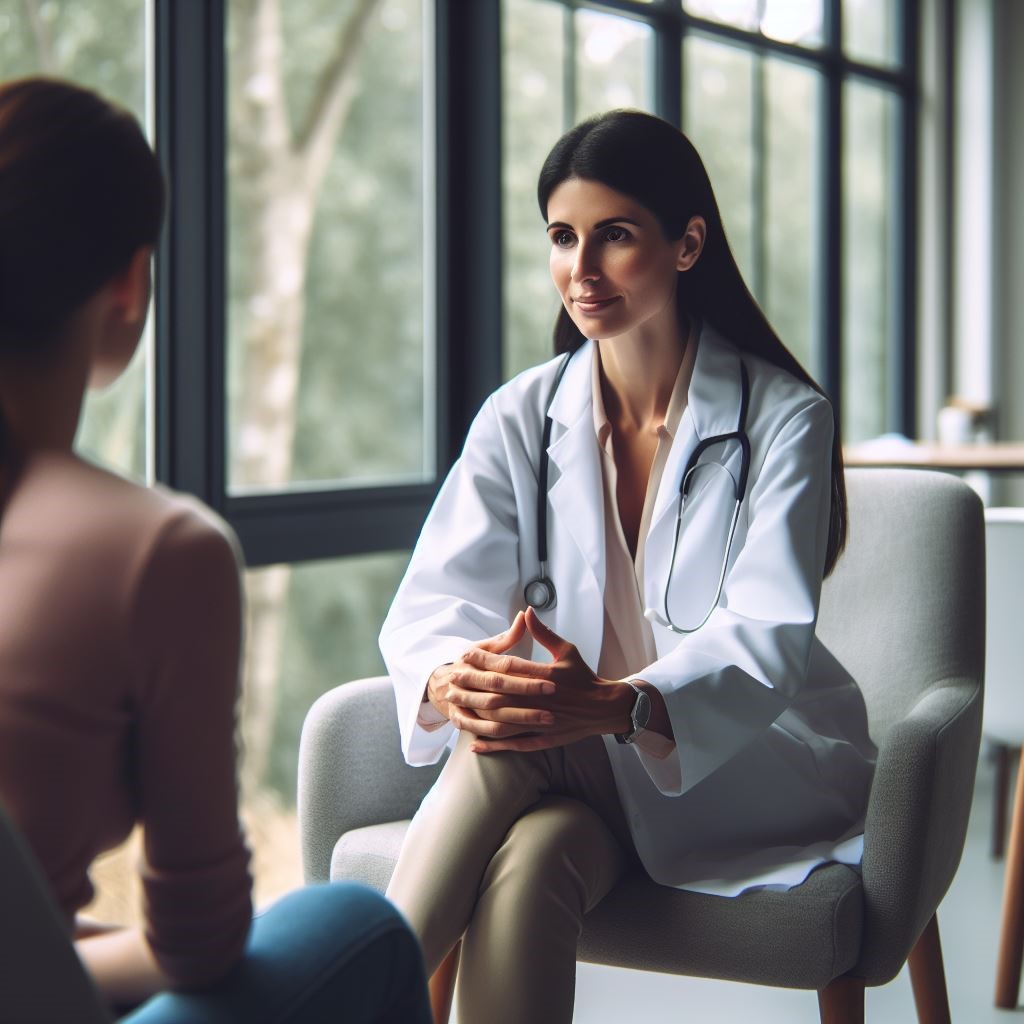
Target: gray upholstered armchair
{"points": [[904, 614], [41, 978]]}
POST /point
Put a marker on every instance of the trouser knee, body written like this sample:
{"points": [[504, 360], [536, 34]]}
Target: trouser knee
{"points": [[560, 851]]}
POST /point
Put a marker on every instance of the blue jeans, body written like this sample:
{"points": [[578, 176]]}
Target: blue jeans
{"points": [[338, 953]]}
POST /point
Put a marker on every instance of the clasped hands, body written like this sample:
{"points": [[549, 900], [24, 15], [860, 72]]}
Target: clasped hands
{"points": [[511, 703]]}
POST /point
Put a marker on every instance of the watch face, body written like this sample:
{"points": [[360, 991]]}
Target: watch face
{"points": [[641, 711]]}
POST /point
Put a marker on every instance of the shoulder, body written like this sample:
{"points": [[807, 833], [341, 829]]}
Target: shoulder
{"points": [[81, 504], [512, 417], [777, 397], [137, 538], [528, 391]]}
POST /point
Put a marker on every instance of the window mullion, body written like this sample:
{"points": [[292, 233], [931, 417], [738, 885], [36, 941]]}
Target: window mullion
{"points": [[903, 389], [668, 70], [190, 267], [469, 306]]}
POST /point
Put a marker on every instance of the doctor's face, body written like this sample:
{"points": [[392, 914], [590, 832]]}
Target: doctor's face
{"points": [[610, 261]]}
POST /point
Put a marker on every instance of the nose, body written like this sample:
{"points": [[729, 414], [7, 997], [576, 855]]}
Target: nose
{"points": [[585, 266]]}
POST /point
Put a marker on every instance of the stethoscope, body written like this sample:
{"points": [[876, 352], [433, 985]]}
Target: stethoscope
{"points": [[540, 591]]}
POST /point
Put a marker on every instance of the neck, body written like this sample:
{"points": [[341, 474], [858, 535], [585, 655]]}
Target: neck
{"points": [[638, 373], [41, 400]]}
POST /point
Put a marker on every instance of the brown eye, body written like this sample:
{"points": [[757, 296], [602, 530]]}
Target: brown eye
{"points": [[563, 239], [616, 235]]}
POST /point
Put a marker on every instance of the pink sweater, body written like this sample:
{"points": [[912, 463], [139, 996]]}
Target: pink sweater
{"points": [[120, 623]]}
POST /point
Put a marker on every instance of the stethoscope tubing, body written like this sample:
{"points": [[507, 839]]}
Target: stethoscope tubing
{"points": [[540, 591]]}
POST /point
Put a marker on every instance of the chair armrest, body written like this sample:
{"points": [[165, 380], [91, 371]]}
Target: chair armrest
{"points": [[41, 977], [917, 821], [351, 770]]}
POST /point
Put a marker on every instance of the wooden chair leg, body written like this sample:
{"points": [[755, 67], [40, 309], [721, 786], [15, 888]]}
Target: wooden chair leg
{"points": [[1003, 757], [841, 1001], [928, 977], [442, 986], [1011, 941]]}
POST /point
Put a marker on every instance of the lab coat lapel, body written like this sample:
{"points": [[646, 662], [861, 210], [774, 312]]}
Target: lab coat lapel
{"points": [[712, 407], [577, 509]]}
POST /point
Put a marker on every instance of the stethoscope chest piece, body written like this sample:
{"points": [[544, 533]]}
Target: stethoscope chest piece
{"points": [[540, 593]]}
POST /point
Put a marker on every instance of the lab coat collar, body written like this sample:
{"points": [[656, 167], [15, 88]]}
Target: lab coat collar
{"points": [[573, 397], [713, 399], [714, 395], [575, 469], [713, 407]]}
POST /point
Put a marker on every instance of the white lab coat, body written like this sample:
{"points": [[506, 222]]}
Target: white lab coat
{"points": [[772, 745]]}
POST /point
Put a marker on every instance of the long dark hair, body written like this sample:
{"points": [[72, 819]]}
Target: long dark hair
{"points": [[653, 163]]}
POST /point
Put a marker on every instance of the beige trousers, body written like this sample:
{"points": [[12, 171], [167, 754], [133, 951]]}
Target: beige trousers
{"points": [[508, 852]]}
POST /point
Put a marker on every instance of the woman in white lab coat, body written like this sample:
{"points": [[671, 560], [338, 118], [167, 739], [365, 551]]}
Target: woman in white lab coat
{"points": [[628, 680]]}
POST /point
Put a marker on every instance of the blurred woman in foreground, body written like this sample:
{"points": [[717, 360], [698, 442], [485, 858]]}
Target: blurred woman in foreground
{"points": [[120, 625]]}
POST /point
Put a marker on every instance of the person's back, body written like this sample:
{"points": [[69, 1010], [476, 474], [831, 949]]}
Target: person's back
{"points": [[119, 645]]}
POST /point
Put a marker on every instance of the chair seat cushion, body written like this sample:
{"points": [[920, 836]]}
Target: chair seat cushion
{"points": [[368, 855], [802, 938]]}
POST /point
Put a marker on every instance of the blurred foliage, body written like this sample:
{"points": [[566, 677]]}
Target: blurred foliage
{"points": [[361, 410]]}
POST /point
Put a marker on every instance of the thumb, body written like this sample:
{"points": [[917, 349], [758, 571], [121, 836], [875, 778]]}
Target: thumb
{"points": [[504, 641], [547, 638]]}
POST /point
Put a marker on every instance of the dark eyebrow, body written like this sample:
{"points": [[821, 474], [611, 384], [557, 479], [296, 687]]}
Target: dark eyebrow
{"points": [[607, 222]]}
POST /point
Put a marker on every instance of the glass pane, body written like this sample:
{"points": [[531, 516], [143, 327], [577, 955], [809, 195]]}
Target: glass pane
{"points": [[102, 45], [870, 30], [718, 117], [793, 21], [311, 627], [533, 116], [741, 13], [614, 58], [790, 263], [869, 134], [328, 339]]}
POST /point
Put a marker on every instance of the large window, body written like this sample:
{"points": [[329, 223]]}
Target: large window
{"points": [[354, 258], [803, 111]]}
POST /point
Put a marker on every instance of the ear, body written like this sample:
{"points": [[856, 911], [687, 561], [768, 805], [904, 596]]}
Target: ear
{"points": [[691, 245], [121, 307], [130, 289]]}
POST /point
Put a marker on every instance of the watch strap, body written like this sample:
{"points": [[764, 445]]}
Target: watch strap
{"points": [[639, 715]]}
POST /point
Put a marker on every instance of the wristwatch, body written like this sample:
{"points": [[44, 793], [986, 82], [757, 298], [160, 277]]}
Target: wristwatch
{"points": [[639, 716]]}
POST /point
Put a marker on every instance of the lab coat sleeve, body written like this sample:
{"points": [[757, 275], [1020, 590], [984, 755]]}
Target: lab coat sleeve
{"points": [[727, 683], [462, 582]]}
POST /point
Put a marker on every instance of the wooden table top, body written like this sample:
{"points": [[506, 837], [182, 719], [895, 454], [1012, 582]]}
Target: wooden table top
{"points": [[990, 456]]}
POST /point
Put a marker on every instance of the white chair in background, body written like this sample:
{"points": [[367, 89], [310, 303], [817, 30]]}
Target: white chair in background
{"points": [[1003, 723], [1003, 718]]}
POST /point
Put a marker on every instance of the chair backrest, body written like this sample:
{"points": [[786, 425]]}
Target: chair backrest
{"points": [[351, 770], [1004, 645], [904, 608], [41, 978]]}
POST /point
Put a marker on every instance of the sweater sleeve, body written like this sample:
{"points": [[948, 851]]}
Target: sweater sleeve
{"points": [[187, 615]]}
